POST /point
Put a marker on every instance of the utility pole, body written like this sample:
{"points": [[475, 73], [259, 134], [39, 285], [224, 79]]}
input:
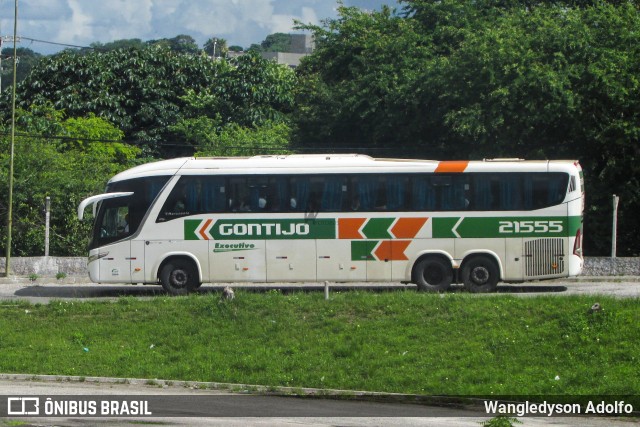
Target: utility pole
{"points": [[0, 56], [47, 217], [7, 268], [614, 228]]}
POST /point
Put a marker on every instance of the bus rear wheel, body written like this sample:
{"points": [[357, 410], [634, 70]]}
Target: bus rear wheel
{"points": [[179, 277], [480, 274], [433, 274]]}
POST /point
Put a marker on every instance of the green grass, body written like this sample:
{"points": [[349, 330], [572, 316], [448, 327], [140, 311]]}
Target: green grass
{"points": [[408, 342]]}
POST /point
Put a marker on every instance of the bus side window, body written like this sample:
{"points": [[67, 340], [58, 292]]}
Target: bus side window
{"points": [[213, 194], [243, 195], [332, 193], [557, 188], [176, 204], [366, 190], [396, 192], [192, 195], [541, 190], [300, 193], [279, 198], [423, 193], [452, 193], [482, 197]]}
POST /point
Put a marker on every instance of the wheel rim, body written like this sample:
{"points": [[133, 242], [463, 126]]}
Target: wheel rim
{"points": [[179, 278], [480, 275]]}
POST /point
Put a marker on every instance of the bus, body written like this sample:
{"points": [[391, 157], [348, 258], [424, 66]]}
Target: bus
{"points": [[338, 218]]}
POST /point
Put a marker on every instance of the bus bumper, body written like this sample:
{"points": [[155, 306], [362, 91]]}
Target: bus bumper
{"points": [[576, 264]]}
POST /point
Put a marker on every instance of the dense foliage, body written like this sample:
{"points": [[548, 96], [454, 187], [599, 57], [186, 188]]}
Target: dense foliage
{"points": [[138, 90], [27, 59], [142, 91], [64, 166]]}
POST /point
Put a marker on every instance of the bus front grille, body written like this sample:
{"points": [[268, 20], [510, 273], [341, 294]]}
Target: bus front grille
{"points": [[544, 257]]}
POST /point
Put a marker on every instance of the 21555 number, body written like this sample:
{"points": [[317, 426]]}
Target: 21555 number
{"points": [[515, 227]]}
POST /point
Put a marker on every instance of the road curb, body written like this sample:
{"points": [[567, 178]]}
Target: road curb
{"points": [[308, 392]]}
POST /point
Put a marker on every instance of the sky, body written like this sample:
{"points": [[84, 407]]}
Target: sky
{"points": [[82, 22]]}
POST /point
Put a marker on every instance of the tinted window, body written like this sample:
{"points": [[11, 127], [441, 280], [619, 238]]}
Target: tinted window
{"points": [[365, 193]]}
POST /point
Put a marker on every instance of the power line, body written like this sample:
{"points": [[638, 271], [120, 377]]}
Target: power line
{"points": [[59, 44]]}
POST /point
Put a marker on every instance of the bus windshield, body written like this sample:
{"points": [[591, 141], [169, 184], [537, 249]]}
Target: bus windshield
{"points": [[120, 217]]}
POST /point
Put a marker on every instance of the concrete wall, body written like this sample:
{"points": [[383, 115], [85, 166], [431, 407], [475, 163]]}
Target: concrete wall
{"points": [[50, 266], [46, 266], [605, 266]]}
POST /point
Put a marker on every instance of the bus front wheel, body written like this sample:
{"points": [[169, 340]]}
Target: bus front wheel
{"points": [[179, 277], [433, 274], [480, 274]]}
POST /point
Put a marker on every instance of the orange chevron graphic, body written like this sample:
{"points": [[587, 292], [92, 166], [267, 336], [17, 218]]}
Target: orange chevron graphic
{"points": [[392, 250], [348, 228], [407, 228], [204, 228]]}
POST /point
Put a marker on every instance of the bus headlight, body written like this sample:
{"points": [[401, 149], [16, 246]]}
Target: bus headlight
{"points": [[98, 256]]}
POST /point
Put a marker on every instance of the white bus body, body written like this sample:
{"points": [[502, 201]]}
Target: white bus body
{"points": [[343, 218]]}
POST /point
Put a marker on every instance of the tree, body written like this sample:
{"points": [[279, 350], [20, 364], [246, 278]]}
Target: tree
{"points": [[249, 91], [118, 44], [245, 112], [139, 90], [212, 139], [54, 158], [142, 91], [97, 137], [27, 59], [358, 86], [276, 42], [181, 43]]}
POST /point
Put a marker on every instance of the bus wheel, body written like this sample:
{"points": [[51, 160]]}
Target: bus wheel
{"points": [[480, 274], [179, 277], [433, 274]]}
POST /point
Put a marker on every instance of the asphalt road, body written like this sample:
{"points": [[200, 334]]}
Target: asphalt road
{"points": [[77, 288], [242, 410]]}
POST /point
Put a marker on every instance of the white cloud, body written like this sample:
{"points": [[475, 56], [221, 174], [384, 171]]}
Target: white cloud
{"points": [[79, 26], [106, 21]]}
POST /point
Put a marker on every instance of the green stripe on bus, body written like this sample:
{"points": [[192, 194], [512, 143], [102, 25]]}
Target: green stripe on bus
{"points": [[378, 228], [190, 226], [362, 250], [479, 227]]}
